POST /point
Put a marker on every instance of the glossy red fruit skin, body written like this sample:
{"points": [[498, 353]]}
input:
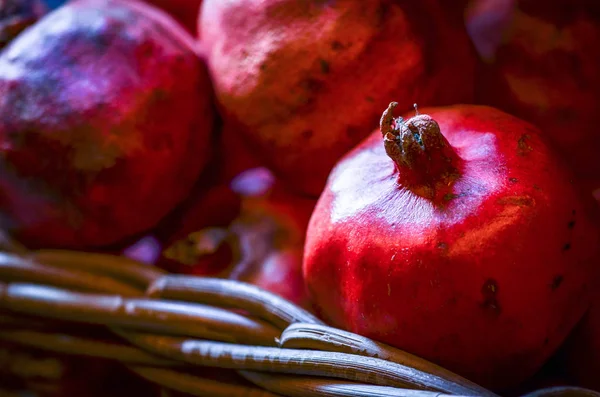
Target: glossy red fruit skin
{"points": [[301, 101], [185, 11], [542, 61], [105, 123], [488, 281]]}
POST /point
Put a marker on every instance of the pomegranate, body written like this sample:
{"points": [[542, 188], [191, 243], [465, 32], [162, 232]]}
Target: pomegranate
{"points": [[185, 11], [16, 15], [281, 67], [262, 245], [192, 237], [105, 123], [460, 239], [542, 65]]}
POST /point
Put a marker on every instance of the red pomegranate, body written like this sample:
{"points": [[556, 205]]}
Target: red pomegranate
{"points": [[16, 15], [185, 11], [262, 245], [301, 81], [542, 60], [460, 239], [105, 123]]}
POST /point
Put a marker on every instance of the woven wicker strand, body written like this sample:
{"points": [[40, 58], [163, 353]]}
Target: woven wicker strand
{"points": [[167, 328]]}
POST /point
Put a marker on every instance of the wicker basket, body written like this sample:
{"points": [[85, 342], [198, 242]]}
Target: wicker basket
{"points": [[80, 324]]}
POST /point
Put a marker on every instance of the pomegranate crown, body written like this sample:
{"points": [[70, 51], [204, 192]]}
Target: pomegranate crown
{"points": [[404, 139], [423, 156]]}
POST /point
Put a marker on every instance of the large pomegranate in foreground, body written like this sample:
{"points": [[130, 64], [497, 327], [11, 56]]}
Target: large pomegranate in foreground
{"points": [[105, 122], [459, 238], [302, 81], [542, 60]]}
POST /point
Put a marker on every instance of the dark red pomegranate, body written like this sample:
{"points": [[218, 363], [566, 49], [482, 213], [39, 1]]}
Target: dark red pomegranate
{"points": [[460, 239], [105, 123], [185, 11], [302, 81], [542, 61], [16, 15], [262, 245]]}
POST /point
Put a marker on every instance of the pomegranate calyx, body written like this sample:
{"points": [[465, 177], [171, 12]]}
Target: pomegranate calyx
{"points": [[426, 162]]}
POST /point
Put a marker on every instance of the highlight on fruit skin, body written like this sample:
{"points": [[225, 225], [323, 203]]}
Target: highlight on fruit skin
{"points": [[455, 235], [106, 120]]}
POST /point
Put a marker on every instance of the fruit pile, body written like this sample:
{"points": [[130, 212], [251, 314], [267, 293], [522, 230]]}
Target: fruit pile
{"points": [[280, 143]]}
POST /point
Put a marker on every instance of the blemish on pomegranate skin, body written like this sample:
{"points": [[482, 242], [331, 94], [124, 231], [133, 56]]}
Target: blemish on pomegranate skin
{"points": [[490, 300], [513, 180], [312, 85], [337, 46], [567, 247], [324, 66], [523, 147], [521, 201], [450, 196], [571, 224], [556, 282], [307, 134]]}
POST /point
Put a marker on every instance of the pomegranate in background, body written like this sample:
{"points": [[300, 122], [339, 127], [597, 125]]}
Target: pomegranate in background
{"points": [[105, 123], [262, 245], [542, 61], [301, 101], [459, 238]]}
